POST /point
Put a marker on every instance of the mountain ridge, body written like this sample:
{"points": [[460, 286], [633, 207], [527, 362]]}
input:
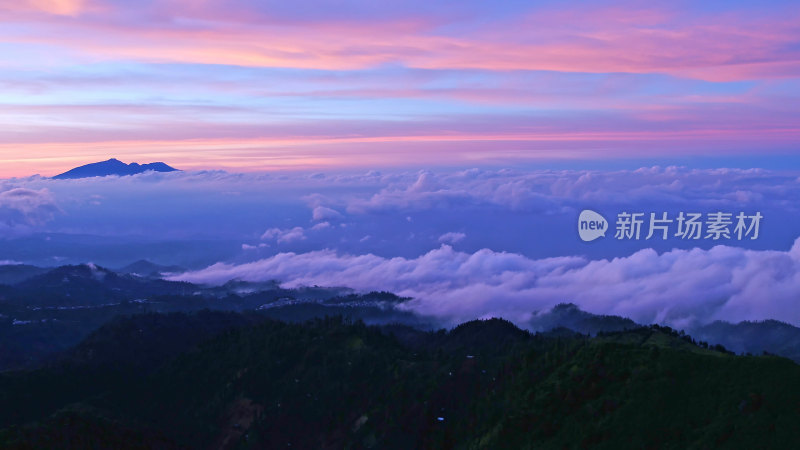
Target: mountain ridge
{"points": [[337, 383], [45, 310]]}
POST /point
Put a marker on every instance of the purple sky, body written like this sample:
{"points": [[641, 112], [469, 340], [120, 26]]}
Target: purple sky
{"points": [[249, 86]]}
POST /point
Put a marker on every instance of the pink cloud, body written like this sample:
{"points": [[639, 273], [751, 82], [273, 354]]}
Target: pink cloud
{"points": [[56, 7], [733, 46]]}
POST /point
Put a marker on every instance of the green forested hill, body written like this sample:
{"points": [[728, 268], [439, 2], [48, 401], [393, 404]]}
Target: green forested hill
{"points": [[335, 384]]}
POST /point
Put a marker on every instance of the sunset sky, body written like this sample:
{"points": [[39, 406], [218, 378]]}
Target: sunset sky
{"points": [[440, 150], [252, 86]]}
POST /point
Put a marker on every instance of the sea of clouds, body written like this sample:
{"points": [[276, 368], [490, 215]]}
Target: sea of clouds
{"points": [[462, 243], [683, 288]]}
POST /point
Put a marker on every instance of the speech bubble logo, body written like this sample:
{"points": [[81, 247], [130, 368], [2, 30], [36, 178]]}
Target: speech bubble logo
{"points": [[591, 225]]}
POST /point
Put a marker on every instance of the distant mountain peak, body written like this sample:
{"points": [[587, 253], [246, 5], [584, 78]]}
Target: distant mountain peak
{"points": [[112, 166]]}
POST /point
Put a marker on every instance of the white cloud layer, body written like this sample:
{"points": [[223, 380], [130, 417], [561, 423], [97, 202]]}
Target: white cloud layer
{"points": [[452, 237], [22, 207], [680, 287], [322, 213], [284, 236]]}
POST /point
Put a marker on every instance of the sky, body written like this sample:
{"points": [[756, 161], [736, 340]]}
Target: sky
{"points": [[441, 150], [327, 85]]}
